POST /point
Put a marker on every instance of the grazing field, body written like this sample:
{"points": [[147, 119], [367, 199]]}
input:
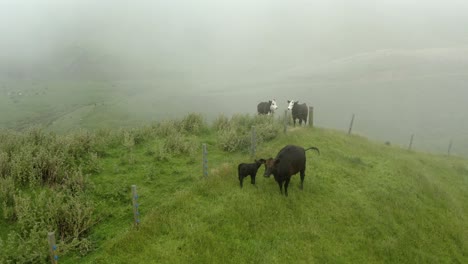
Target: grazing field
{"points": [[363, 201]]}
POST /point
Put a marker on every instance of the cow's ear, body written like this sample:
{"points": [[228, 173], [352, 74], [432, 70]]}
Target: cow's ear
{"points": [[296, 102], [277, 161], [289, 101], [262, 161], [269, 101]]}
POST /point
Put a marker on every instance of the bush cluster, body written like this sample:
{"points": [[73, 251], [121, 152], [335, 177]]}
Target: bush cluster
{"points": [[43, 181], [235, 134]]}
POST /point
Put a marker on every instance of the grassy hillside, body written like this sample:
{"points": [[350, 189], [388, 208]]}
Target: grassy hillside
{"points": [[363, 202]]}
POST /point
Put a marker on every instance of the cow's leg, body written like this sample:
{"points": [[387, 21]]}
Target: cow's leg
{"points": [[252, 179], [286, 186], [280, 183], [302, 178], [240, 180]]}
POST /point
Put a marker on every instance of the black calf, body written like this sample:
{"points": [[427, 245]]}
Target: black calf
{"points": [[249, 169]]}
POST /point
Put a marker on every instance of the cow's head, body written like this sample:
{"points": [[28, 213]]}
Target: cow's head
{"points": [[291, 103], [273, 105], [271, 166]]}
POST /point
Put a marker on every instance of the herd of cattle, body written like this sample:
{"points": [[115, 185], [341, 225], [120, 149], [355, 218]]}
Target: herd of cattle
{"points": [[299, 111], [289, 161]]}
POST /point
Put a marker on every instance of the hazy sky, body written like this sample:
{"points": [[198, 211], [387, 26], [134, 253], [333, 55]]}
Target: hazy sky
{"points": [[240, 34]]}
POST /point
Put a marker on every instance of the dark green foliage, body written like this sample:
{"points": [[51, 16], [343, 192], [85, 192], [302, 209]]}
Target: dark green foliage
{"points": [[42, 189]]}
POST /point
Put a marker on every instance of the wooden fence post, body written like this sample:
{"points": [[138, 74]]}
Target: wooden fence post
{"points": [[351, 125], [311, 116], [52, 247], [205, 160], [136, 212], [285, 120], [410, 146], [449, 148], [253, 146]]}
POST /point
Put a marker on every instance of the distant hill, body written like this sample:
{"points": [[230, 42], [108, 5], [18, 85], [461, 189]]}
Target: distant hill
{"points": [[394, 93], [389, 65]]}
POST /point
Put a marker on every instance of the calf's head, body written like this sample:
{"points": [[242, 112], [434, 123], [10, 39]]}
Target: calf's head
{"points": [[271, 166], [259, 162]]}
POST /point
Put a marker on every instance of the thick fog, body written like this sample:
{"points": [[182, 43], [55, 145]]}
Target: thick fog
{"points": [[401, 66]]}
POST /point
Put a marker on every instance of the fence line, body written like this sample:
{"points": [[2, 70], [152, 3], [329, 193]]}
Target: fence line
{"points": [[285, 121], [410, 146], [253, 146], [205, 160], [351, 125], [52, 248], [311, 116], [449, 147]]}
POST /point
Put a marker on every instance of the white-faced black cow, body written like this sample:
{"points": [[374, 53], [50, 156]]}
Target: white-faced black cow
{"points": [[289, 161], [265, 108], [299, 111], [246, 169]]}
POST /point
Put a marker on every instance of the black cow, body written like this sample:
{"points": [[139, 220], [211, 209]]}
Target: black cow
{"points": [[299, 111], [266, 108], [246, 169], [289, 161]]}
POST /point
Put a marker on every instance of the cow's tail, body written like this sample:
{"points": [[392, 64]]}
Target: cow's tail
{"points": [[314, 148]]}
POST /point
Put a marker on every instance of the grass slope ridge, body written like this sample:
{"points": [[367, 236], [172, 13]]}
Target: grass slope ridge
{"points": [[362, 202]]}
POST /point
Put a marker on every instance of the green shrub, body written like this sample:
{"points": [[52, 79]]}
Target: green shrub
{"points": [[235, 134], [128, 140], [70, 216], [144, 134], [81, 143], [242, 122], [7, 195], [25, 248], [221, 123], [267, 131], [160, 153], [106, 138], [42, 188], [4, 165], [48, 168], [166, 128], [21, 165], [178, 144], [231, 140], [193, 124]]}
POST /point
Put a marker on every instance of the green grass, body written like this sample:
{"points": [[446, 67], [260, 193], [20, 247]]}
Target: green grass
{"points": [[363, 202]]}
